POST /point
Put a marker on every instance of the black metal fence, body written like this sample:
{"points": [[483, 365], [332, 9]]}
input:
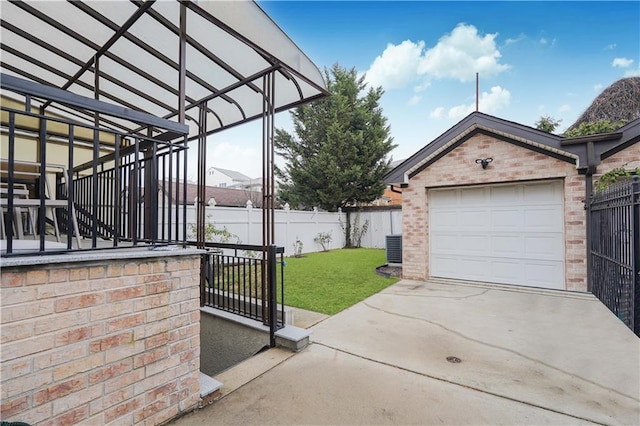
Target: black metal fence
{"points": [[246, 280], [614, 274], [56, 201], [135, 201]]}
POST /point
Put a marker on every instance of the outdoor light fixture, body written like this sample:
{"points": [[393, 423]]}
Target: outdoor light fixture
{"points": [[484, 161]]}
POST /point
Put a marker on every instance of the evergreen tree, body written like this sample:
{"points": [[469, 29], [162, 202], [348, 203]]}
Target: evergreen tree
{"points": [[547, 123], [338, 155]]}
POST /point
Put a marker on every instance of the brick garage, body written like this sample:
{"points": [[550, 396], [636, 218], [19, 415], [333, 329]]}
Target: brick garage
{"points": [[523, 159], [111, 341]]}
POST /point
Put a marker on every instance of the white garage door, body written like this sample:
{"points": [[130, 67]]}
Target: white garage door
{"points": [[509, 234]]}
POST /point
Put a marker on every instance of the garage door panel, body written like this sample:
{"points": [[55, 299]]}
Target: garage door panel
{"points": [[506, 195], [542, 192], [506, 218], [543, 220], [547, 275], [473, 218], [444, 218], [542, 247], [509, 234], [445, 242], [506, 246], [443, 264], [473, 196], [449, 198], [449, 243], [506, 271]]}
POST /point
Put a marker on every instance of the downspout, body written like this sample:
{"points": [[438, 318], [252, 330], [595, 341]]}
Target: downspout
{"points": [[591, 169], [392, 189]]}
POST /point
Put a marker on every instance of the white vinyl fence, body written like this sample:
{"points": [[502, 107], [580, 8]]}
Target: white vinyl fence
{"points": [[295, 225]]}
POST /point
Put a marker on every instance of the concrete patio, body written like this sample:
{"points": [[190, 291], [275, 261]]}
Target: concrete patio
{"points": [[446, 353]]}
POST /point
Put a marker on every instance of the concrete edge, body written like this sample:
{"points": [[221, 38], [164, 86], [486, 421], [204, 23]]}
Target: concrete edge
{"points": [[289, 337], [503, 287], [98, 255]]}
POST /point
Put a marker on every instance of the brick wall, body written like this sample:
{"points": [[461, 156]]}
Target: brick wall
{"points": [[109, 342], [628, 158], [511, 163]]}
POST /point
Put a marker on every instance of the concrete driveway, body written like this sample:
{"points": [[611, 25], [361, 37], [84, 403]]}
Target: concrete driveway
{"points": [[451, 353]]}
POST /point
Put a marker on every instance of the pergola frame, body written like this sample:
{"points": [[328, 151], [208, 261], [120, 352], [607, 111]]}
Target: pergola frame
{"points": [[273, 84]]}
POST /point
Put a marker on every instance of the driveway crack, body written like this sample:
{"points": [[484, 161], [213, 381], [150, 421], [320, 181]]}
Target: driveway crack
{"points": [[440, 297], [534, 360], [440, 379]]}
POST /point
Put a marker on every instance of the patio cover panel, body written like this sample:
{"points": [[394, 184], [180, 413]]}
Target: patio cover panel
{"points": [[227, 42]]}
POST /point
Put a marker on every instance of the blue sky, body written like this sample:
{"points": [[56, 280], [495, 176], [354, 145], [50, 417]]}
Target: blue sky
{"points": [[533, 58]]}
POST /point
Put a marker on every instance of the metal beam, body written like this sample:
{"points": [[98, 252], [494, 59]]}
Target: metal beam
{"points": [[19, 85], [150, 50], [105, 47]]}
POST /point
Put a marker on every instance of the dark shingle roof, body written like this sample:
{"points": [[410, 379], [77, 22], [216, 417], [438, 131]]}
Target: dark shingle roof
{"points": [[227, 197]]}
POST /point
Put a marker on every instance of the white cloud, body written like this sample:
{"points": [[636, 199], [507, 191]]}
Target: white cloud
{"points": [[597, 87], [543, 40], [632, 73], [397, 65], [461, 54], [415, 99], [511, 41], [564, 108], [610, 46], [457, 55], [622, 62], [437, 113], [489, 103]]}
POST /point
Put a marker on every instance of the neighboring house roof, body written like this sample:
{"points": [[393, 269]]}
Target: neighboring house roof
{"points": [[226, 197], [235, 176], [586, 152]]}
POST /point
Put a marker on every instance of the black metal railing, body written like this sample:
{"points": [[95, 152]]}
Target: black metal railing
{"points": [[141, 200], [245, 280], [128, 192], [614, 273]]}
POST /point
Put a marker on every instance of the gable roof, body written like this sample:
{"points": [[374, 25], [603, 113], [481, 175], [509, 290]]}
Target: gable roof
{"points": [[236, 176], [572, 150]]}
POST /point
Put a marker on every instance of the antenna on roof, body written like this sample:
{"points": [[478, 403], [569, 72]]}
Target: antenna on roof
{"points": [[477, 89]]}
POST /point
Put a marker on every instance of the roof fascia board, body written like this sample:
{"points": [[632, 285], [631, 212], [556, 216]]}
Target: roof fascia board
{"points": [[591, 138], [15, 84], [506, 130], [503, 136]]}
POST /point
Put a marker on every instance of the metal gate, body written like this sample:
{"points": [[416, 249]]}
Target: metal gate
{"points": [[614, 274]]}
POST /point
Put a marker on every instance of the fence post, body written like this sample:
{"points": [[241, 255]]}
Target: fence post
{"points": [[272, 296], [635, 233]]}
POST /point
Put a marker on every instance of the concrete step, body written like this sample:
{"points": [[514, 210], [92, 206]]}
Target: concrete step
{"points": [[209, 389]]}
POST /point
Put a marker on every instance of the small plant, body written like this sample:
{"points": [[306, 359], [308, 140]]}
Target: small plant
{"points": [[616, 175], [213, 234], [353, 232], [358, 231], [324, 239], [594, 127], [297, 248]]}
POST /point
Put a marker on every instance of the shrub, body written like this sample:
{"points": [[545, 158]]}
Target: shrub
{"points": [[324, 239]]}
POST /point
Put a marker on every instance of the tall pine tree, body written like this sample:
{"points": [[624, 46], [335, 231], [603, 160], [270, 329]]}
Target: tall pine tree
{"points": [[339, 153]]}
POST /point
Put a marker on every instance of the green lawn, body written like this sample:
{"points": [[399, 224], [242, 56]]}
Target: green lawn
{"points": [[331, 281]]}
